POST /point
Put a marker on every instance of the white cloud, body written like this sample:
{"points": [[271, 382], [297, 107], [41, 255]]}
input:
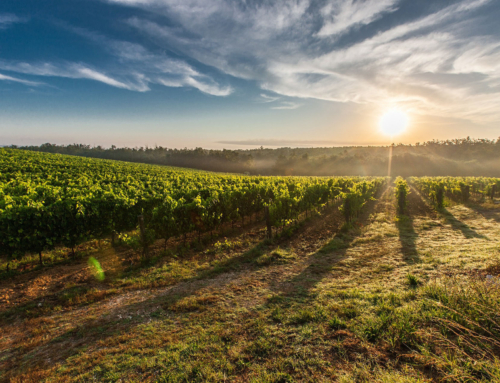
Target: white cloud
{"points": [[83, 72], [288, 105], [151, 68], [280, 46], [7, 19], [156, 65], [15, 79], [71, 70], [435, 63], [278, 103], [205, 87], [143, 68], [266, 98], [342, 15], [201, 84]]}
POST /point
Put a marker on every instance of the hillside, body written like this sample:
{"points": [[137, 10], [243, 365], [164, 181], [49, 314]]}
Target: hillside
{"points": [[460, 157], [382, 301]]}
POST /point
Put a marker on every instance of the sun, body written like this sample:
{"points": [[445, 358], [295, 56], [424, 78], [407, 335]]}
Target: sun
{"points": [[394, 122]]}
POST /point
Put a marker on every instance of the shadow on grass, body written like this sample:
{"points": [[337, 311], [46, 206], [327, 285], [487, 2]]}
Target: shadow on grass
{"points": [[122, 319], [61, 259], [407, 238], [324, 260], [457, 225], [486, 213], [186, 295]]}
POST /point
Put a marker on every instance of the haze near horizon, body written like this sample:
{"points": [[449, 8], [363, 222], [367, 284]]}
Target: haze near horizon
{"points": [[241, 74]]}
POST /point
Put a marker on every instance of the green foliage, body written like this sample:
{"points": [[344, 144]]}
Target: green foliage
{"points": [[48, 200], [412, 280], [221, 246], [401, 190], [357, 195], [336, 323], [458, 189], [132, 241], [450, 157]]}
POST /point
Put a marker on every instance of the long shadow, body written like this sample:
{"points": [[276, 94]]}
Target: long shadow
{"points": [[416, 206], [324, 260], [407, 238], [122, 319], [488, 214], [457, 225]]}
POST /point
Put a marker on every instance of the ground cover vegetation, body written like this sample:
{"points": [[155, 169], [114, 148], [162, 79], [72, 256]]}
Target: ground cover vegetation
{"points": [[386, 288], [458, 157], [50, 200], [457, 189]]}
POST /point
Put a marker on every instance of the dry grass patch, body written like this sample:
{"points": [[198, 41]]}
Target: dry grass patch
{"points": [[388, 300]]}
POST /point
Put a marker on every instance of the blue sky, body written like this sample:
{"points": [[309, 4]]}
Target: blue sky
{"points": [[240, 73]]}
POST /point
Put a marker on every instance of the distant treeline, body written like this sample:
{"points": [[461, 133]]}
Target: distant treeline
{"points": [[459, 157]]}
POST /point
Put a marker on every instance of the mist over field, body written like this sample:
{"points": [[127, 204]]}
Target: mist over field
{"points": [[262, 191], [460, 157]]}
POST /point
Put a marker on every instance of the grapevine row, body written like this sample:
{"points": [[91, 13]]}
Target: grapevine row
{"points": [[458, 189], [51, 200]]}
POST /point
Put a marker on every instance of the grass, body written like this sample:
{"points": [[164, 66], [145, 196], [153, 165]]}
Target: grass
{"points": [[408, 299], [413, 280]]}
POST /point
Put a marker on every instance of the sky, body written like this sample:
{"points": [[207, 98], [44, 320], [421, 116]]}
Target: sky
{"points": [[245, 73]]}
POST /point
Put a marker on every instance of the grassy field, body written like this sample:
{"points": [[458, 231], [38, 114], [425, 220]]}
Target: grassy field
{"points": [[410, 298]]}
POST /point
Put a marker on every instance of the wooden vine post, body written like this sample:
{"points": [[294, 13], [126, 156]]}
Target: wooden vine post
{"points": [[143, 235], [268, 223]]}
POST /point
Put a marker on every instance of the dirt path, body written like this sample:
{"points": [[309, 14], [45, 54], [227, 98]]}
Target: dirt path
{"points": [[38, 286], [318, 260]]}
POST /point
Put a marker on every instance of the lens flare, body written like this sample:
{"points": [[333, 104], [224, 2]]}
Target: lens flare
{"points": [[96, 269], [394, 122]]}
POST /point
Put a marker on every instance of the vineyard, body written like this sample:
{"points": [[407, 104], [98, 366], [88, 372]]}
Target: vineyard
{"points": [[52, 200], [173, 275], [457, 189]]}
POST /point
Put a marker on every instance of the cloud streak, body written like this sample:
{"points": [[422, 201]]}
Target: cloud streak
{"points": [[290, 48], [70, 70], [137, 68], [155, 68], [340, 16], [287, 105], [8, 19], [282, 105], [21, 81]]}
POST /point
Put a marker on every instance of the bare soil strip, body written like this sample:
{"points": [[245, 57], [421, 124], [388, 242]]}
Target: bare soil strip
{"points": [[234, 293]]}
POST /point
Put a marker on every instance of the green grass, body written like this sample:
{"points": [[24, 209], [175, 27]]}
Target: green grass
{"points": [[385, 301]]}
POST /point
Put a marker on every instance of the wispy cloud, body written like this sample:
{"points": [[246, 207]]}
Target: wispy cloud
{"points": [[266, 98], [145, 67], [136, 67], [7, 19], [287, 105], [71, 70], [287, 47], [429, 58], [278, 102], [342, 15], [19, 80], [149, 70]]}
